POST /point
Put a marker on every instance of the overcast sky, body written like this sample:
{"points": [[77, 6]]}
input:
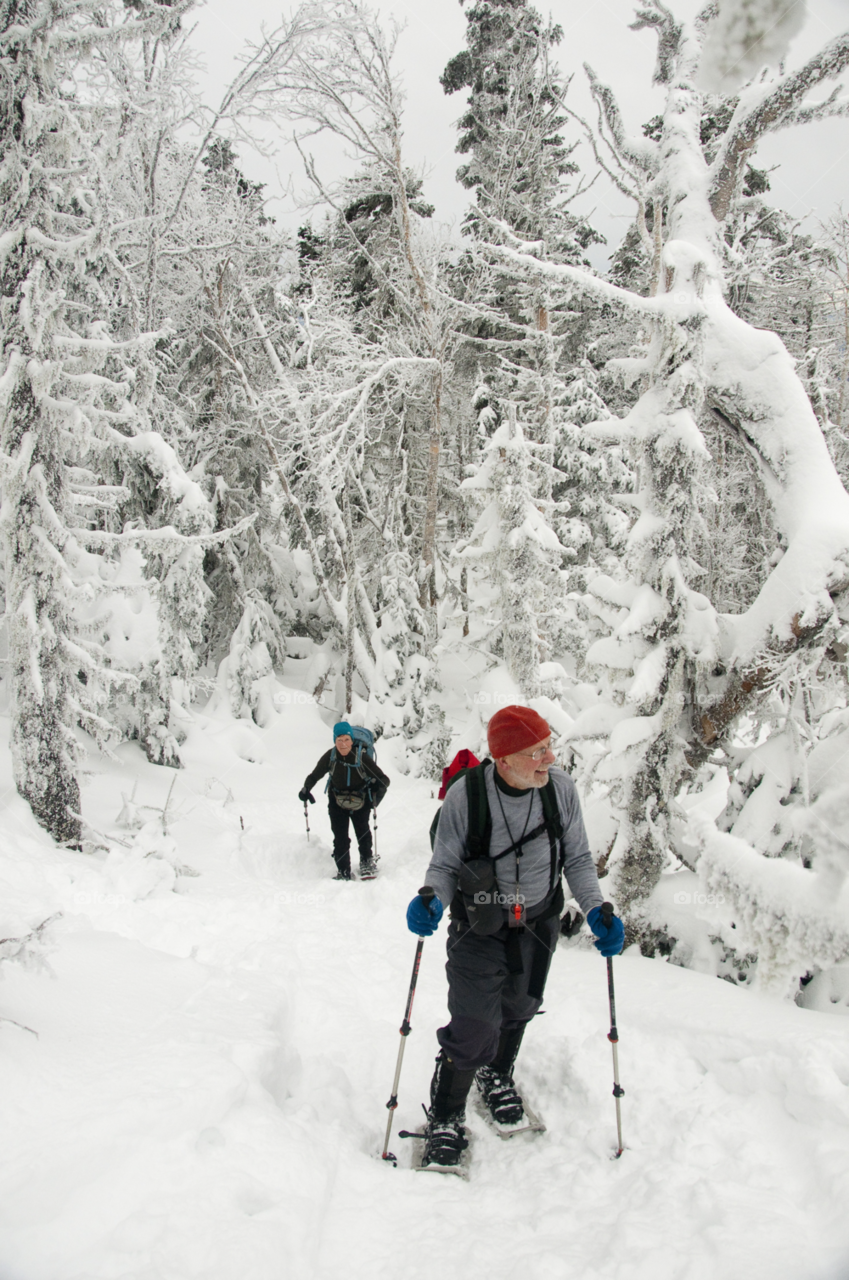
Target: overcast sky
{"points": [[810, 178]]}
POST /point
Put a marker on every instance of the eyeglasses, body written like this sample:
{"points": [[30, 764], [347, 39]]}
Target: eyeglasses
{"points": [[537, 755]]}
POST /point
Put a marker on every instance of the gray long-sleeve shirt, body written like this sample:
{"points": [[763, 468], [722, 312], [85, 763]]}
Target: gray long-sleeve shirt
{"points": [[523, 812]]}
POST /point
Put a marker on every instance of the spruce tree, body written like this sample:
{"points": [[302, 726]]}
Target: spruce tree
{"points": [[520, 342]]}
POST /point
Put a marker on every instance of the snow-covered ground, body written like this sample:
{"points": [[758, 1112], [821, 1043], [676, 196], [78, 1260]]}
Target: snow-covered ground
{"points": [[217, 1029]]}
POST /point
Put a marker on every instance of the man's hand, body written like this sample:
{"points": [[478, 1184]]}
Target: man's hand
{"points": [[608, 929], [423, 917], [305, 795]]}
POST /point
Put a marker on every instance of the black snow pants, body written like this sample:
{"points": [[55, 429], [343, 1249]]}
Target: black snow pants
{"points": [[341, 838], [487, 994]]}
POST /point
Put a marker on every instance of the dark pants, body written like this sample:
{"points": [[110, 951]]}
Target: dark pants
{"points": [[342, 840], [484, 996]]}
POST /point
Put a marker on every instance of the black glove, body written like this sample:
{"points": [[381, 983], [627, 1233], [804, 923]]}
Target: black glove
{"points": [[305, 795], [377, 795], [570, 924]]}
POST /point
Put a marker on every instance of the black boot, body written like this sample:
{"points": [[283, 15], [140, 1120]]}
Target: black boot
{"points": [[509, 1043], [343, 866], [496, 1081], [445, 1135]]}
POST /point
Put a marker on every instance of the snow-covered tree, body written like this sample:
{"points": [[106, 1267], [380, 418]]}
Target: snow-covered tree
{"points": [[201, 253], [834, 237], [518, 338], [345, 85], [517, 549], [592, 478], [67, 378], [669, 650]]}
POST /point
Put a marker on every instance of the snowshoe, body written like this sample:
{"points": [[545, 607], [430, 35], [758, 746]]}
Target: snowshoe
{"points": [[368, 869], [442, 1146], [499, 1096], [503, 1106], [530, 1122]]}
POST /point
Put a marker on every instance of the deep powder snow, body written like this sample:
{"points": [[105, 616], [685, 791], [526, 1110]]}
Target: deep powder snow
{"points": [[217, 1027]]}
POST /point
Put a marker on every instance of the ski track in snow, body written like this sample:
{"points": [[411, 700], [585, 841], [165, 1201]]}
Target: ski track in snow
{"points": [[206, 1093]]}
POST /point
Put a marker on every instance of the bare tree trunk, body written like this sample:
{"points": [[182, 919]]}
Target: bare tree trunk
{"points": [[351, 569], [428, 595]]}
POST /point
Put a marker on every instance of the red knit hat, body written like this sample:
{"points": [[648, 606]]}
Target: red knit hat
{"points": [[513, 728]]}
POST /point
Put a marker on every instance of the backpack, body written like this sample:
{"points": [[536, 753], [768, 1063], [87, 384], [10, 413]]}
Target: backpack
{"points": [[353, 798], [458, 768], [475, 899]]}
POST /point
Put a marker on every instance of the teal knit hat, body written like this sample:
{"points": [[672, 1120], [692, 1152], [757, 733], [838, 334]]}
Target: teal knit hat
{"points": [[340, 729]]}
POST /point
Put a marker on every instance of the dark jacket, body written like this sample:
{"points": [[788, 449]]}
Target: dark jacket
{"points": [[346, 777]]}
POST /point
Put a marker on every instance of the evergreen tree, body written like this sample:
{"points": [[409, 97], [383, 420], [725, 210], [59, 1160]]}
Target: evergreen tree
{"points": [[66, 378], [516, 548], [520, 168]]}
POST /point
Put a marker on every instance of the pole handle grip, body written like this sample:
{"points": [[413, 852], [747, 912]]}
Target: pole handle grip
{"points": [[427, 894], [606, 914]]}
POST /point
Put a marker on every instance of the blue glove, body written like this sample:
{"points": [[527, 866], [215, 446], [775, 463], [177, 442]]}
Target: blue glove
{"points": [[610, 938], [422, 917]]}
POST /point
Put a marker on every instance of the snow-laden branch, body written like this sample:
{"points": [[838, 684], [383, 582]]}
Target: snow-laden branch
{"points": [[106, 345], [601, 160], [765, 109], [362, 392], [76, 246], [752, 380], [642, 153], [579, 278], [668, 38], [360, 245], [262, 74], [167, 535], [832, 108], [54, 27]]}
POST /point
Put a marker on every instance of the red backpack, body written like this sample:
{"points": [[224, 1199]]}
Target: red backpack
{"points": [[462, 761], [459, 766]]}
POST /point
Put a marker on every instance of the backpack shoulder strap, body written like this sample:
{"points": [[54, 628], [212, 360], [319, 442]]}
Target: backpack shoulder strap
{"points": [[551, 810], [554, 825], [480, 819], [330, 769]]}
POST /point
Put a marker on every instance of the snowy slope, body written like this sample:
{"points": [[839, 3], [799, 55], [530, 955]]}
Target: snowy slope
{"points": [[206, 1093]]}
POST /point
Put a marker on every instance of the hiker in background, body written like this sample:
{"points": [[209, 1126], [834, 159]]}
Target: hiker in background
{"points": [[356, 785], [508, 830]]}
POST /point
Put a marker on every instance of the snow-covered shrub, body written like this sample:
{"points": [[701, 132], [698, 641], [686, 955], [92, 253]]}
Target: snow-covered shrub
{"points": [[793, 917], [248, 670]]}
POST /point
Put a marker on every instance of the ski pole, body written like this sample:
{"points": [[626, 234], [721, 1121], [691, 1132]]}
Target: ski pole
{"points": [[374, 816], [427, 895], [307, 819], [613, 1034]]}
